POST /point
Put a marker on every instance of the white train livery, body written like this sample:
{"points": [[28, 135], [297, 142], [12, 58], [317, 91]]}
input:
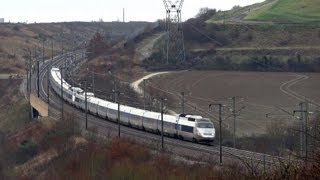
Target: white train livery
{"points": [[188, 127]]}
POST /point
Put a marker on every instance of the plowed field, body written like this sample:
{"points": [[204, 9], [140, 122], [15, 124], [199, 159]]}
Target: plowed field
{"points": [[262, 98]]}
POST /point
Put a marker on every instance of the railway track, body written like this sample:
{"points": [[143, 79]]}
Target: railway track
{"points": [[107, 128]]}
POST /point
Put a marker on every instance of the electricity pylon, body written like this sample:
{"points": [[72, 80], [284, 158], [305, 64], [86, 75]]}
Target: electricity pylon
{"points": [[175, 50]]}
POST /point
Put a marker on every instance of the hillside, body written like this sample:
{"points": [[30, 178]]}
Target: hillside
{"points": [[17, 39], [271, 11], [245, 46], [287, 11]]}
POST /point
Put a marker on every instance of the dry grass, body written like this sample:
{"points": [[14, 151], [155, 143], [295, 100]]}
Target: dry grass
{"points": [[66, 156], [124, 159]]}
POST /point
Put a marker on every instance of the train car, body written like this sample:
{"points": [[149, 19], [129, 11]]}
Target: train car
{"points": [[170, 125], [188, 127], [136, 118]]}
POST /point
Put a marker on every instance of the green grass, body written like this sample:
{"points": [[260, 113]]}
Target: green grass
{"points": [[235, 12], [287, 11]]}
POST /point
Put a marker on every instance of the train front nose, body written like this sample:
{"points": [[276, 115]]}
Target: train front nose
{"points": [[206, 134]]}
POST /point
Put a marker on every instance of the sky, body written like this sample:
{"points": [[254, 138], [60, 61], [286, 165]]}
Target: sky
{"points": [[31, 11]]}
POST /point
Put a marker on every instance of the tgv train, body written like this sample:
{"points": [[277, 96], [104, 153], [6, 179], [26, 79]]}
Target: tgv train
{"points": [[188, 127]]}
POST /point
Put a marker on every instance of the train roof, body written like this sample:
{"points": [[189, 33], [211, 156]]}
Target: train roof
{"points": [[186, 122], [77, 89], [56, 75]]}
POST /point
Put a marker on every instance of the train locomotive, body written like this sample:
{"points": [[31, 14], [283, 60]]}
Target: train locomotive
{"points": [[187, 127]]}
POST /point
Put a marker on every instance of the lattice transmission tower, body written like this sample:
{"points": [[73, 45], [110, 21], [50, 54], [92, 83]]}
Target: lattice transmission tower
{"points": [[175, 50]]}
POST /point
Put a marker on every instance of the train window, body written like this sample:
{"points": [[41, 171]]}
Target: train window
{"points": [[138, 117], [125, 115], [78, 100], [186, 128], [192, 119], [112, 111], [149, 120], [69, 96], [167, 124], [205, 125]]}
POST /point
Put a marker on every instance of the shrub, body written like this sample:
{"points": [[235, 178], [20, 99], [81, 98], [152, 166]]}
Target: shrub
{"points": [[60, 133], [16, 28], [97, 46], [27, 149], [124, 148]]}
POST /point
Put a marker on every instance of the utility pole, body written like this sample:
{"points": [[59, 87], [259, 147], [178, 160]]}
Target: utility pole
{"points": [[93, 89], [144, 94], [28, 80], [27, 62], [162, 135], [52, 50], [114, 84], [234, 114], [61, 83], [48, 83], [30, 71], [220, 127], [220, 132], [224, 20], [38, 78], [86, 103], [117, 100], [49, 72], [65, 61], [234, 120], [303, 129], [43, 51], [306, 112], [123, 15], [182, 103]]}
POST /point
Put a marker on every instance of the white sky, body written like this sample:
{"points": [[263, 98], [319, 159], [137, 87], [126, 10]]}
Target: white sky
{"points": [[109, 10]]}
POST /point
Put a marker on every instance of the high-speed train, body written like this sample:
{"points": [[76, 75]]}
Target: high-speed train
{"points": [[188, 127]]}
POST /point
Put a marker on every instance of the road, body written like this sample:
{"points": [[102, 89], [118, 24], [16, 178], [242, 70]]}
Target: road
{"points": [[109, 129]]}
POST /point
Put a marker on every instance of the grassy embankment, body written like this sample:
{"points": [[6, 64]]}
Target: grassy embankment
{"points": [[287, 11]]}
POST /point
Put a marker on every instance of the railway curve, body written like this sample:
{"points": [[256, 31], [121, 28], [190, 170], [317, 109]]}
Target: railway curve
{"points": [[106, 128]]}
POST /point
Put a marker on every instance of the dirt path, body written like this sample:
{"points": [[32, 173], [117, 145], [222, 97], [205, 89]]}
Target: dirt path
{"points": [[137, 89], [144, 48], [286, 89], [135, 84]]}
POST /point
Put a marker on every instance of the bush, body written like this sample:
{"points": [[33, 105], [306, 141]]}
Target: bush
{"points": [[16, 28], [27, 149], [97, 46], [58, 136], [125, 148]]}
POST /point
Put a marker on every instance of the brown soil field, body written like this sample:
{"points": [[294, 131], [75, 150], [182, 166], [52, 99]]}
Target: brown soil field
{"points": [[257, 94]]}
